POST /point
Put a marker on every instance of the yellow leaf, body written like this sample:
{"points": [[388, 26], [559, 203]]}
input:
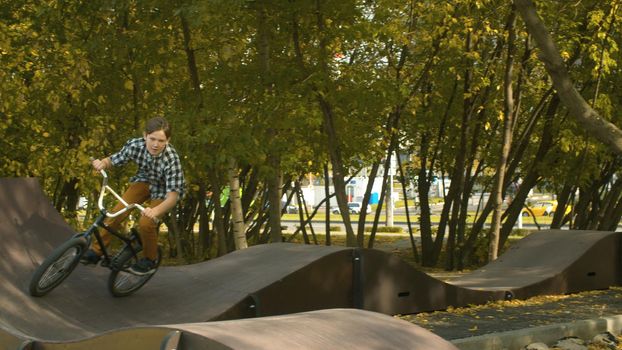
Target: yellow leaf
{"points": [[473, 329], [129, 85]]}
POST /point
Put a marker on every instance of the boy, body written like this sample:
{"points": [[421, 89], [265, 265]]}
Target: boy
{"points": [[159, 180]]}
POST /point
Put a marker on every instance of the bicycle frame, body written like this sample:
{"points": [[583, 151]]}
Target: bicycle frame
{"points": [[93, 230]]}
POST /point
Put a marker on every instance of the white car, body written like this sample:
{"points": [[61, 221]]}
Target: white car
{"points": [[353, 207]]}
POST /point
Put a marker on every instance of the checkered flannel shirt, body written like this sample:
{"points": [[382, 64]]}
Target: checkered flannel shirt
{"points": [[163, 172]]}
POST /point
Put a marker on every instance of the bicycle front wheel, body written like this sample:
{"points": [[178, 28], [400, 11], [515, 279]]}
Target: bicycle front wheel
{"points": [[56, 267], [122, 282]]}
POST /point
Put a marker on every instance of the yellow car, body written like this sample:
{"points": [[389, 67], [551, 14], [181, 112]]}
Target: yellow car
{"points": [[543, 208]]}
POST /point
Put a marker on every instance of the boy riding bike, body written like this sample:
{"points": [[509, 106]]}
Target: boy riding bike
{"points": [[159, 180]]}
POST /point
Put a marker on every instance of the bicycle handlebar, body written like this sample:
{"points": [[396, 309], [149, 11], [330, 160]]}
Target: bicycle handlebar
{"points": [[102, 193]]}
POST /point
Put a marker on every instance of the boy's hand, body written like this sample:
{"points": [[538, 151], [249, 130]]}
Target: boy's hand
{"points": [[99, 164], [151, 214]]}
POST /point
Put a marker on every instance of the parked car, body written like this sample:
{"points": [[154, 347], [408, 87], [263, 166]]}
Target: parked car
{"points": [[353, 207], [291, 209], [543, 208]]}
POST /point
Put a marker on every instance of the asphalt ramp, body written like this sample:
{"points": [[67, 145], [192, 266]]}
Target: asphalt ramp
{"points": [[271, 284]]}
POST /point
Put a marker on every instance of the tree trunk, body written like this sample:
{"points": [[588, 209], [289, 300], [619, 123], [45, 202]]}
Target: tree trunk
{"points": [[250, 190], [274, 198], [360, 235], [69, 196], [237, 216], [338, 170], [327, 197], [383, 192], [303, 222], [429, 248], [191, 61], [204, 229], [562, 201], [219, 226], [405, 195], [334, 148], [546, 142], [173, 230], [303, 209], [392, 127], [423, 189], [508, 121], [458, 174], [274, 179], [614, 218], [591, 121], [608, 218]]}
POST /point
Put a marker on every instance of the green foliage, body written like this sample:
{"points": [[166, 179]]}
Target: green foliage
{"points": [[79, 78]]}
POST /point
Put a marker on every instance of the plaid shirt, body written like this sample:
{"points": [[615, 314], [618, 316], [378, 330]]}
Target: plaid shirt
{"points": [[163, 172]]}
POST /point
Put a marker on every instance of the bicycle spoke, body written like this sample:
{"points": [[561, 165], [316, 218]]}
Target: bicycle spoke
{"points": [[127, 281], [58, 268], [122, 282]]}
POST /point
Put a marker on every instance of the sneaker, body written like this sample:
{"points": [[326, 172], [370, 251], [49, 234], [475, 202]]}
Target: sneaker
{"points": [[144, 266], [90, 257]]}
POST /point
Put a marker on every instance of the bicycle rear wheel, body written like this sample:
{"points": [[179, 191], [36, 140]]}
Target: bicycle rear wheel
{"points": [[122, 282], [56, 267]]}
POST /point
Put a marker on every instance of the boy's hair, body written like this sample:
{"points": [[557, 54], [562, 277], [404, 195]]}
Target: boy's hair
{"points": [[156, 124]]}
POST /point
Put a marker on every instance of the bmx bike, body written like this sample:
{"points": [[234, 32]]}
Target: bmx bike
{"points": [[64, 259]]}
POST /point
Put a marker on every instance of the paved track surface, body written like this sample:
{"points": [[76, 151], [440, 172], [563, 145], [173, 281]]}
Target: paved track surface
{"points": [[265, 280], [314, 330], [517, 315]]}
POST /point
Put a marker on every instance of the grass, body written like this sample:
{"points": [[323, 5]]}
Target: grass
{"points": [[340, 240], [321, 216]]}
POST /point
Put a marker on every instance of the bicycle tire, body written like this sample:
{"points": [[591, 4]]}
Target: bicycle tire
{"points": [[122, 283], [57, 266]]}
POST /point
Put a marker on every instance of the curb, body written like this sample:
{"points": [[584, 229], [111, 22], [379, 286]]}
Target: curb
{"points": [[584, 329]]}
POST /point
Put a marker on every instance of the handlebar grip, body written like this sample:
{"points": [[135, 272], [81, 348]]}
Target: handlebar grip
{"points": [[102, 171]]}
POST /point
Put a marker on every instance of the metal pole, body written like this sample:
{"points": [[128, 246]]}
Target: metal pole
{"points": [[389, 196]]}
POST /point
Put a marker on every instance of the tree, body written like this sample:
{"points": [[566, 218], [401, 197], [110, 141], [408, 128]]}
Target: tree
{"points": [[508, 123], [594, 124]]}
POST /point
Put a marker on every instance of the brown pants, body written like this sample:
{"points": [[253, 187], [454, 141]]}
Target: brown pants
{"points": [[137, 192]]}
